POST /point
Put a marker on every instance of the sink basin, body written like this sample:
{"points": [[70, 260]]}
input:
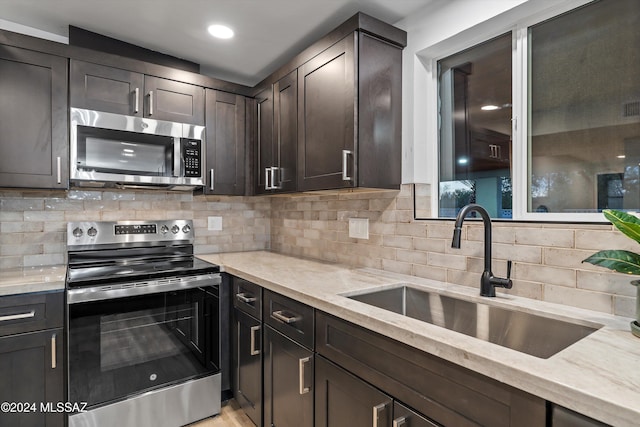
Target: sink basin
{"points": [[528, 333]]}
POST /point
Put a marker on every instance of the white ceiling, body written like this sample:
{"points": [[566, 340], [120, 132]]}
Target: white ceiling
{"points": [[268, 32]]}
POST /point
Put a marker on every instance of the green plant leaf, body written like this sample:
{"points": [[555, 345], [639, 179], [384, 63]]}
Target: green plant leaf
{"points": [[626, 223], [620, 261]]}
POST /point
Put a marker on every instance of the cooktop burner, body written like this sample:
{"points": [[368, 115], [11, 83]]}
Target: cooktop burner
{"points": [[131, 251]]}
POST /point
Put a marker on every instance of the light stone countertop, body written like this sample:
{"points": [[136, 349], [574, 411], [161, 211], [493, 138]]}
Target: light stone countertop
{"points": [[22, 280], [597, 376]]}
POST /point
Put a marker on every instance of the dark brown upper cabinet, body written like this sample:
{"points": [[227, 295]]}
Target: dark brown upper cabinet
{"points": [[277, 136], [33, 119], [225, 151], [348, 113], [114, 90], [349, 116]]}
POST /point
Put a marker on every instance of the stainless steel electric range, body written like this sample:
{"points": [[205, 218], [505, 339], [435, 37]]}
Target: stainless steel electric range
{"points": [[143, 325]]}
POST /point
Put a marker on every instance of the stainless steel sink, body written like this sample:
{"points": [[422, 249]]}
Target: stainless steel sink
{"points": [[525, 332]]}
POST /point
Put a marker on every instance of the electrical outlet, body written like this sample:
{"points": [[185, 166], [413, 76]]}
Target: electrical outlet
{"points": [[359, 228], [214, 223]]}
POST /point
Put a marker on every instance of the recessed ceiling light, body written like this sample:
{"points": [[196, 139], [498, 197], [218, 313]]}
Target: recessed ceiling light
{"points": [[621, 156], [489, 107], [220, 31]]}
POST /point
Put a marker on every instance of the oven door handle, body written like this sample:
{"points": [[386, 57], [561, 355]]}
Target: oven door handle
{"points": [[107, 292]]}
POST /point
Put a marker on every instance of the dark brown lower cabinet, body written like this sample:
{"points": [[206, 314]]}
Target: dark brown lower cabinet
{"points": [[446, 393], [32, 379], [343, 400], [248, 363], [288, 382]]}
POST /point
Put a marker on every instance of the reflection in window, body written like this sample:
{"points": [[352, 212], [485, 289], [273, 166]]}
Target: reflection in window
{"points": [[584, 113], [475, 128]]}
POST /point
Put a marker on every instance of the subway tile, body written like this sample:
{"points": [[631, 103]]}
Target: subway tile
{"points": [[546, 274], [530, 254], [413, 257], [429, 272], [21, 205], [21, 227], [430, 245], [598, 240], [402, 242], [413, 229], [611, 283], [624, 306], [545, 237], [457, 262], [396, 266], [442, 231], [578, 298]]}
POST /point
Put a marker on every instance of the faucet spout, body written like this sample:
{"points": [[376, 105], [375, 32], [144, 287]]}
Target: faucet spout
{"points": [[488, 281]]}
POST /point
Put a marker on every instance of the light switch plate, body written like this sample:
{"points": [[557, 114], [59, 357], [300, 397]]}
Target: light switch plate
{"points": [[214, 223], [359, 228]]}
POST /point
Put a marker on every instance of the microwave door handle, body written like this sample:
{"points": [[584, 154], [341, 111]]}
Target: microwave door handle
{"points": [[177, 157]]}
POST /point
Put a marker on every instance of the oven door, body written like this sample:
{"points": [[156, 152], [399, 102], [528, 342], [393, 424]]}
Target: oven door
{"points": [[126, 346]]}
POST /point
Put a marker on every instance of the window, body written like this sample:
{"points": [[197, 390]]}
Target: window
{"points": [[475, 132], [573, 147]]}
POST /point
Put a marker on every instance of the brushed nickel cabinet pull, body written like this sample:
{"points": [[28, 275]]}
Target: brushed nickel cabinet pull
{"points": [[245, 299], [53, 352], [345, 155], [279, 315], [254, 351], [301, 363], [211, 175], [137, 100], [58, 160], [400, 422], [376, 413], [151, 103], [27, 315]]}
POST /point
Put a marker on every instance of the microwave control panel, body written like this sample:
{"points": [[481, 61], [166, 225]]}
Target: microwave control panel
{"points": [[191, 155]]}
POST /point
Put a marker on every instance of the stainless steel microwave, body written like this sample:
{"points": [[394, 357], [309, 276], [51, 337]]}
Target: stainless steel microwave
{"points": [[114, 150]]}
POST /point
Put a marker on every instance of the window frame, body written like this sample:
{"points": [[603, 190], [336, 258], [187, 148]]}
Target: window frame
{"points": [[518, 24]]}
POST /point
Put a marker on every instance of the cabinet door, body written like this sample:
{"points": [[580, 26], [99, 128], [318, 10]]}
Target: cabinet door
{"points": [[173, 101], [31, 368], [264, 140], [34, 128], [248, 363], [343, 400], [288, 382], [225, 118], [285, 99], [326, 116], [102, 88]]}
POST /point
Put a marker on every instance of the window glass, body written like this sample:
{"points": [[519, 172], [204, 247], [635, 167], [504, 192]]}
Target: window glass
{"points": [[475, 128], [584, 109]]}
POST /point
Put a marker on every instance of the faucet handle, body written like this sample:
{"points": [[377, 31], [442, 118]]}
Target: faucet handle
{"points": [[509, 269]]}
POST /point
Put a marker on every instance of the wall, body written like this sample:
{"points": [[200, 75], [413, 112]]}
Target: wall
{"points": [[33, 224], [546, 257]]}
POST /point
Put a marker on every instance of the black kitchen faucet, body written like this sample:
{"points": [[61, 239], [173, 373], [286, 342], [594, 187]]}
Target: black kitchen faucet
{"points": [[488, 281]]}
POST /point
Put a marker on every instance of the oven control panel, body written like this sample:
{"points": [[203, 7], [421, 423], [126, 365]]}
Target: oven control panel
{"points": [[125, 232]]}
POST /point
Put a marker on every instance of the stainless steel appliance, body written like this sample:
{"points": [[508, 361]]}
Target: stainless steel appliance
{"points": [[113, 150], [143, 325]]}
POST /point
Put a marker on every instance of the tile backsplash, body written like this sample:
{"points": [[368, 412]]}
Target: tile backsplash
{"points": [[546, 257], [33, 225]]}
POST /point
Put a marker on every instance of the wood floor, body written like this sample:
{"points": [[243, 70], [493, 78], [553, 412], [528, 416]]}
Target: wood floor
{"points": [[230, 416]]}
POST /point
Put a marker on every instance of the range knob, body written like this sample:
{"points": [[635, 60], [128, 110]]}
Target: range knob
{"points": [[92, 232], [164, 229], [175, 229], [186, 229], [77, 232]]}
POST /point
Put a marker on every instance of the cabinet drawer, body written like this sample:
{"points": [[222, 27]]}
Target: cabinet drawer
{"points": [[291, 318], [31, 312], [247, 297]]}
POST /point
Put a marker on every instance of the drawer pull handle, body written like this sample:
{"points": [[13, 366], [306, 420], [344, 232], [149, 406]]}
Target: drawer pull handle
{"points": [[53, 352], [28, 315], [59, 170], [301, 363], [377, 410], [400, 422], [279, 315], [254, 351], [245, 299]]}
